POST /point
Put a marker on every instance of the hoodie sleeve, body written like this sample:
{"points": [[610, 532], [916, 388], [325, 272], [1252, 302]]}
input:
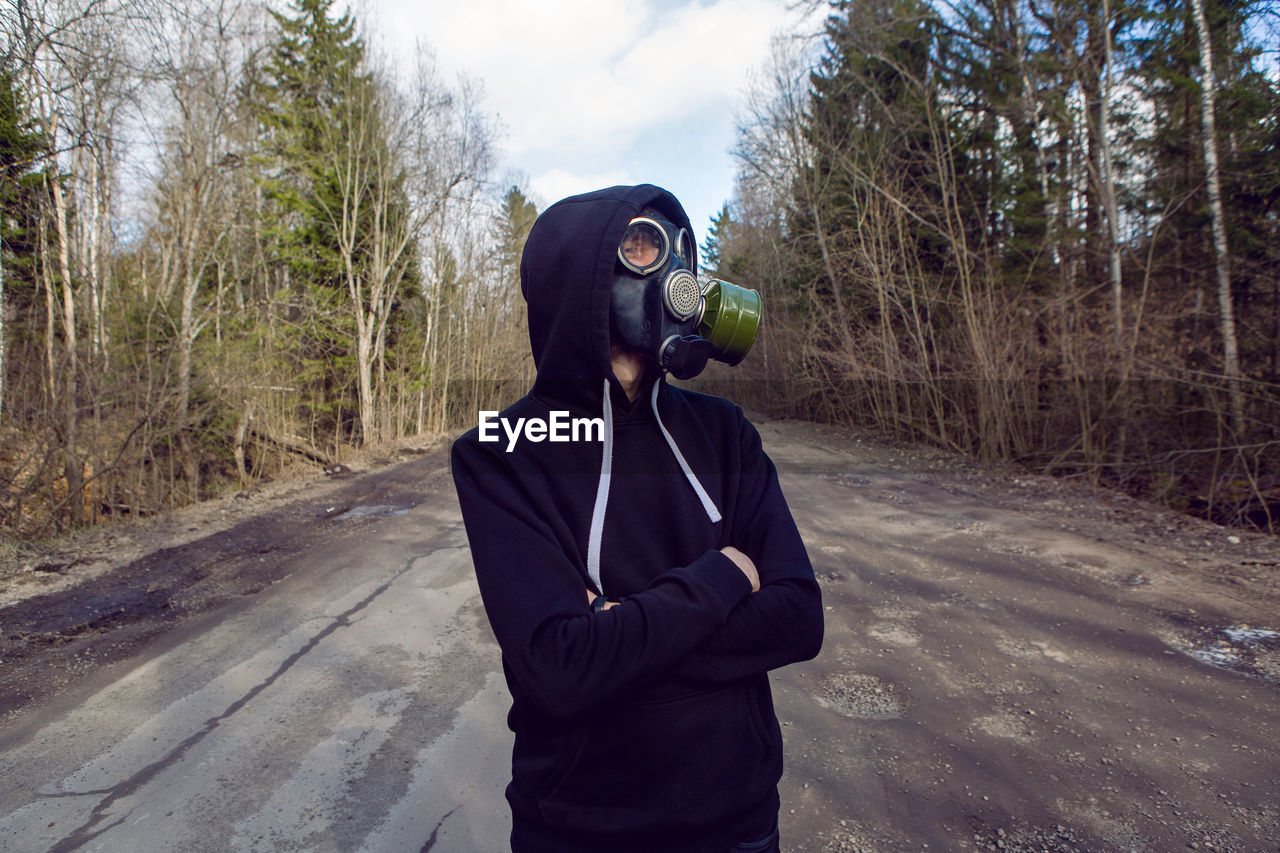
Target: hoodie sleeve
{"points": [[783, 622], [565, 658]]}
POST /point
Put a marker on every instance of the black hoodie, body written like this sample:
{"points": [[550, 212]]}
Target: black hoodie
{"points": [[648, 726]]}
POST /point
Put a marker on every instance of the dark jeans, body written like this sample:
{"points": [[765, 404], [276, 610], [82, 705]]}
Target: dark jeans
{"points": [[768, 844]]}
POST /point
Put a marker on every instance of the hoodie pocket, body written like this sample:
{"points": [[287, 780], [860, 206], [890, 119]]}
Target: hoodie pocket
{"points": [[688, 760]]}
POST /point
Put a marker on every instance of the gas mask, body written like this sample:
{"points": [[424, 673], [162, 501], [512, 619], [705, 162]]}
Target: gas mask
{"points": [[661, 310]]}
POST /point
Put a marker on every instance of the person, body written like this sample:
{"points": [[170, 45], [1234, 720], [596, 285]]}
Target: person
{"points": [[641, 577]]}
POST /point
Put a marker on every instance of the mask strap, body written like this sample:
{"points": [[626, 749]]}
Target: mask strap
{"points": [[602, 495], [707, 504]]}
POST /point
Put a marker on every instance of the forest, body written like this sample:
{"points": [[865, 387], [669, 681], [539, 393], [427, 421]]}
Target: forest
{"points": [[1038, 232], [234, 237]]}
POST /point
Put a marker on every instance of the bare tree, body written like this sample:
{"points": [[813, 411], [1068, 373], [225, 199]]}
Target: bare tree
{"points": [[449, 153], [371, 220], [67, 65], [197, 54]]}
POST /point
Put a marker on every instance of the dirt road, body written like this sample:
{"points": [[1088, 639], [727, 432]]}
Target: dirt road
{"points": [[1010, 663]]}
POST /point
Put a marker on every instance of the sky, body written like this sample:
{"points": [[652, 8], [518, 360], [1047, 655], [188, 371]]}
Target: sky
{"points": [[591, 93]]}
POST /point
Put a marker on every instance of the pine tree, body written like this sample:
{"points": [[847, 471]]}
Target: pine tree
{"points": [[342, 227], [712, 245], [315, 64], [514, 223], [22, 160], [1174, 196], [872, 129]]}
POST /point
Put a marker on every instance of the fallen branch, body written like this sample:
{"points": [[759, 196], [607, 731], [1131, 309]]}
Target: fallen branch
{"points": [[292, 444]]}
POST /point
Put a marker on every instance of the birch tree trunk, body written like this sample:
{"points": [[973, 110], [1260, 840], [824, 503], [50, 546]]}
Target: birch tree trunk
{"points": [[1226, 312], [70, 359], [350, 159], [1109, 183]]}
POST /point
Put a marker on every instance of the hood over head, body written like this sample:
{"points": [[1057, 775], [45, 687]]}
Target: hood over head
{"points": [[566, 275]]}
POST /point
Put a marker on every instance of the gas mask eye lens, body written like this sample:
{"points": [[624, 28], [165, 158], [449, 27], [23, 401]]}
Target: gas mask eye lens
{"points": [[643, 247], [684, 247]]}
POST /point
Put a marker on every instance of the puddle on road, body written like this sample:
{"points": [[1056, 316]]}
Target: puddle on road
{"points": [[369, 511], [1240, 648]]}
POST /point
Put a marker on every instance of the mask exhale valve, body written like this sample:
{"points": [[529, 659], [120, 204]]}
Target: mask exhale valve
{"points": [[685, 357]]}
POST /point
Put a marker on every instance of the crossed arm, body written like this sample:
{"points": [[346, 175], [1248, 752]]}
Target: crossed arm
{"points": [[741, 560], [781, 621]]}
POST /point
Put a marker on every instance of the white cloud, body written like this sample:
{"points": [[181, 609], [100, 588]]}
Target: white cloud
{"points": [[553, 185], [596, 92], [569, 74]]}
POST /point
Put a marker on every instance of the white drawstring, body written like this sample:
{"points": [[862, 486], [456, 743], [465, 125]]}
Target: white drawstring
{"points": [[602, 495], [707, 503], [606, 476]]}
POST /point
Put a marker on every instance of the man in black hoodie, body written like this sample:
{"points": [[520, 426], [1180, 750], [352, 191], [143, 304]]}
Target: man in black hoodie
{"points": [[642, 579]]}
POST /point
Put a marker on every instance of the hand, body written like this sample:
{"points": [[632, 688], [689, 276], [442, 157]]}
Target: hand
{"points": [[591, 597], [742, 561]]}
